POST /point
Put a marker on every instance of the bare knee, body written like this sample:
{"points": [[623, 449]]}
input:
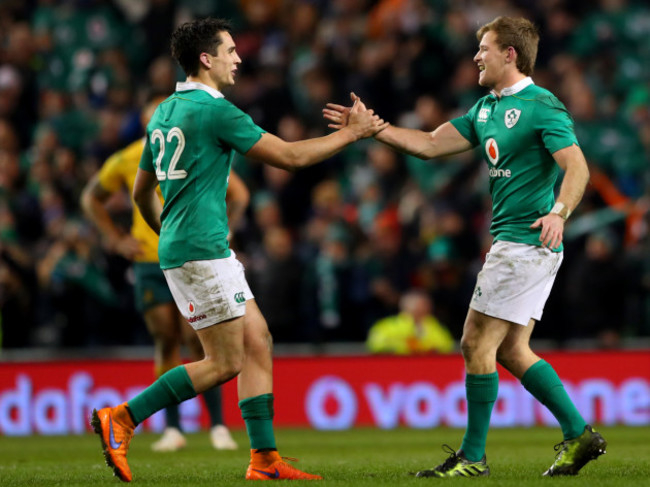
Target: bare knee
{"points": [[516, 359], [225, 367], [469, 346], [479, 345], [231, 367], [260, 343]]}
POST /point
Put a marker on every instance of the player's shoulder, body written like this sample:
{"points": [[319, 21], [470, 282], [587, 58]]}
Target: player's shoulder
{"points": [[543, 97], [481, 107], [205, 97], [218, 109], [486, 99]]}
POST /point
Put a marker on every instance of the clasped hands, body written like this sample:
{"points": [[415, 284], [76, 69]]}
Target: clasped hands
{"points": [[357, 116]]}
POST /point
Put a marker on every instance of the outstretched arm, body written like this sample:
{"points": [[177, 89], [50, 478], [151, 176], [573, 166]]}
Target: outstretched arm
{"points": [[295, 155], [443, 141], [576, 177]]}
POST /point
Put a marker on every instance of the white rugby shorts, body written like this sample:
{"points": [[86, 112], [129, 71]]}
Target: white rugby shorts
{"points": [[208, 292], [515, 281]]}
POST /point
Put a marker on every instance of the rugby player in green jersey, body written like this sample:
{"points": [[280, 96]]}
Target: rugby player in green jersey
{"points": [[153, 299], [190, 143], [525, 135]]}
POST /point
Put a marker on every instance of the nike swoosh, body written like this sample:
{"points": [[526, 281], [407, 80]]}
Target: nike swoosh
{"points": [[111, 435], [274, 475]]}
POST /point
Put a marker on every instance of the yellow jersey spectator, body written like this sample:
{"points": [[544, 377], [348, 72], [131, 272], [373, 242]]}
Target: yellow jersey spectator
{"points": [[413, 330]]}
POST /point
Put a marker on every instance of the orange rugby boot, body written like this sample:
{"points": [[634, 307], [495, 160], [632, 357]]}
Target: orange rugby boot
{"points": [[115, 429], [271, 466]]}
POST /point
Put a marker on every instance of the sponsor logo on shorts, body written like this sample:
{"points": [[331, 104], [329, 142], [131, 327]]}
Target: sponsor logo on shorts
{"points": [[191, 308], [239, 298], [477, 292], [194, 319]]}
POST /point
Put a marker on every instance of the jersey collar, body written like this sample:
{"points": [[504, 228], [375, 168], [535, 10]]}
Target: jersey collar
{"points": [[195, 85], [516, 88]]}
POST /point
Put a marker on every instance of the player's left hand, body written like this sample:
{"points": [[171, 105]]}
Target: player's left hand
{"points": [[552, 230], [363, 122], [340, 115]]}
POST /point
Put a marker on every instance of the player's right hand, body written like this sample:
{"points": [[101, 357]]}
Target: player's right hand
{"points": [[338, 115], [364, 122], [552, 229]]}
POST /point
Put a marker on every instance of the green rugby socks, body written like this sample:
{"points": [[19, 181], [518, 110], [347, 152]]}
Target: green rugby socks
{"points": [[257, 413], [481, 395], [172, 416], [172, 387], [543, 383]]}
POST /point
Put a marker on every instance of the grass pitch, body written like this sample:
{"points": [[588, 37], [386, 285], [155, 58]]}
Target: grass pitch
{"points": [[359, 458]]}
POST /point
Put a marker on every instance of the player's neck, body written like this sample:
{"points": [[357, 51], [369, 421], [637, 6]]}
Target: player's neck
{"points": [[204, 79], [507, 81]]}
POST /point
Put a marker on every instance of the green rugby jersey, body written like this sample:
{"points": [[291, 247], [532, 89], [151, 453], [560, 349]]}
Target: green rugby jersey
{"points": [[517, 134], [191, 140]]}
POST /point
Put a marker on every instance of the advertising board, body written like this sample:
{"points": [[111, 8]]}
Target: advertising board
{"points": [[330, 392]]}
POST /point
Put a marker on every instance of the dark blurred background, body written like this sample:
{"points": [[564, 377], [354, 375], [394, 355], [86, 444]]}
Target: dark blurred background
{"points": [[331, 249]]}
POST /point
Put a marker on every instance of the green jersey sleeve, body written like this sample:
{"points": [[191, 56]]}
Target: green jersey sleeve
{"points": [[554, 123], [236, 129], [146, 160], [465, 124]]}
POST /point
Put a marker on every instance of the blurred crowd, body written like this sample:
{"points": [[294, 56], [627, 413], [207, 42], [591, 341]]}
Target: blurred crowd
{"points": [[329, 250]]}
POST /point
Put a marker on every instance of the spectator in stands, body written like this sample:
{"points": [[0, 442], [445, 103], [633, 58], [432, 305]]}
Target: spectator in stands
{"points": [[414, 330]]}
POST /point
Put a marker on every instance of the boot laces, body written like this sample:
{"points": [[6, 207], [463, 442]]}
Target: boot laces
{"points": [[560, 448], [451, 461]]}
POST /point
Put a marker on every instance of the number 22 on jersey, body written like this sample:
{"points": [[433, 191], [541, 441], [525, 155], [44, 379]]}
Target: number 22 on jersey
{"points": [[157, 136]]}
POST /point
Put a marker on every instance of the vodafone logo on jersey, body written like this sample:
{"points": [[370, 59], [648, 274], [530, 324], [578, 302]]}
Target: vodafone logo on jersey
{"points": [[492, 152]]}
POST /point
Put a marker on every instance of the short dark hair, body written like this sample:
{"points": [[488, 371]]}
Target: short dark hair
{"points": [[190, 39], [519, 33]]}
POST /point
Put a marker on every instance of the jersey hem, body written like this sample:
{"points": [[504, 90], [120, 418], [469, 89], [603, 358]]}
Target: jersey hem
{"points": [[176, 264]]}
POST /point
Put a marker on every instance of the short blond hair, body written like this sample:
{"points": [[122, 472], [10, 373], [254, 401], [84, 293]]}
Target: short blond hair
{"points": [[518, 32]]}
